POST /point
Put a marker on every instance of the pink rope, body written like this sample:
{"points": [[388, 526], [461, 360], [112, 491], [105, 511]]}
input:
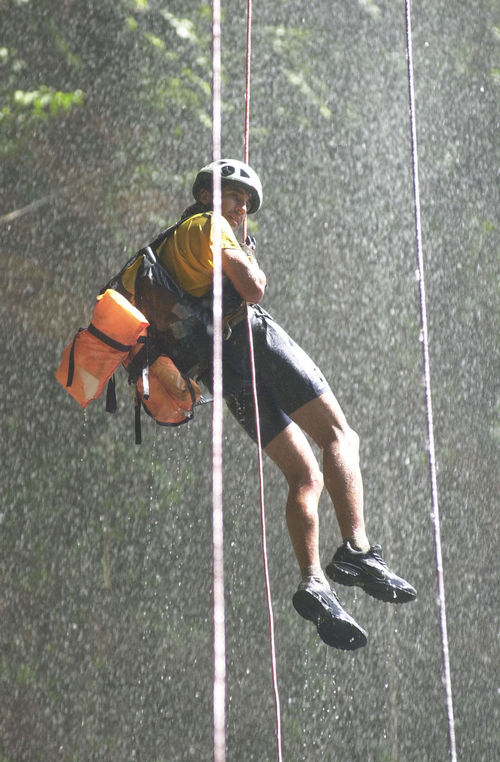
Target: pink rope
{"points": [[257, 418], [428, 399], [219, 636], [246, 131], [274, 672], [247, 80]]}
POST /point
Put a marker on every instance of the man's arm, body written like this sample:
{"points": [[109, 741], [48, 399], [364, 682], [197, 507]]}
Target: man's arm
{"points": [[245, 274]]}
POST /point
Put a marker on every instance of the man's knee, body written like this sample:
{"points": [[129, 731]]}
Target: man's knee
{"points": [[303, 476], [315, 481], [352, 438], [342, 440], [292, 454], [341, 432], [309, 479]]}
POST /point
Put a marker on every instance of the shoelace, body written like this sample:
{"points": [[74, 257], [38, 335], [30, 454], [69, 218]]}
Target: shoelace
{"points": [[375, 551]]}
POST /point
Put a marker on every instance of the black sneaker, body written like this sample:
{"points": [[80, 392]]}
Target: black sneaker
{"points": [[317, 603], [369, 571]]}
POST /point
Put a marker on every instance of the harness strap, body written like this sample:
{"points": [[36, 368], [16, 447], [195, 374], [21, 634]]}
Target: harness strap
{"points": [[143, 359], [230, 324], [71, 362], [111, 395], [108, 340], [138, 431], [111, 387]]}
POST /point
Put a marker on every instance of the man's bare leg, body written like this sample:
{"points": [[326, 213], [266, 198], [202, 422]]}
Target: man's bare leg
{"points": [[314, 600], [292, 453], [324, 421], [355, 562]]}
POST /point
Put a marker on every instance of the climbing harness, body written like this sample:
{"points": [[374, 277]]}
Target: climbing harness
{"points": [[428, 398]]}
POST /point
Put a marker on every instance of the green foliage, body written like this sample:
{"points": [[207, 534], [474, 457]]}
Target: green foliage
{"points": [[21, 109], [43, 103], [56, 78]]}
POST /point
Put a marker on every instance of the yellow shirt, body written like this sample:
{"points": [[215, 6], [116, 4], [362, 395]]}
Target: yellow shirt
{"points": [[188, 253]]}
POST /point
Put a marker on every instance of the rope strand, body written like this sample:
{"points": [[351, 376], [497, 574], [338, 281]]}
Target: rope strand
{"points": [[257, 418], [219, 638], [247, 81], [428, 399], [274, 671]]}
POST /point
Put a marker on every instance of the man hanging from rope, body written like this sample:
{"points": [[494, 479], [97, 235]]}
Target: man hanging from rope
{"points": [[294, 399]]}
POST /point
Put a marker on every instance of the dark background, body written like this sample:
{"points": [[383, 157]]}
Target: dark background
{"points": [[105, 547]]}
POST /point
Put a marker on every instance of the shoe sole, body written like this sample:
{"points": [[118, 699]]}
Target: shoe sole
{"points": [[336, 631], [379, 589]]}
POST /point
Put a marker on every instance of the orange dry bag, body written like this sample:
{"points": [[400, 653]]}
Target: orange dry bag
{"points": [[171, 396], [90, 360]]}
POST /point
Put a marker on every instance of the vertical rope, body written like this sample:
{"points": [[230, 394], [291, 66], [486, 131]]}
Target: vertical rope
{"points": [[248, 59], [219, 636], [247, 81], [257, 416], [428, 399], [274, 671]]}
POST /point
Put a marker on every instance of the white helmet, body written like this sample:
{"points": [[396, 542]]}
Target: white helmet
{"points": [[235, 171]]}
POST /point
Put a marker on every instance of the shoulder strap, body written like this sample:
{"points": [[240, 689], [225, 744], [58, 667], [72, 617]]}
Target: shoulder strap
{"points": [[116, 281], [154, 245]]}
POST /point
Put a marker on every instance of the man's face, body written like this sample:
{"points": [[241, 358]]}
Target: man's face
{"points": [[235, 201]]}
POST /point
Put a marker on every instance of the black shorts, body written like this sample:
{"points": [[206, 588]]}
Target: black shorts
{"points": [[286, 376]]}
